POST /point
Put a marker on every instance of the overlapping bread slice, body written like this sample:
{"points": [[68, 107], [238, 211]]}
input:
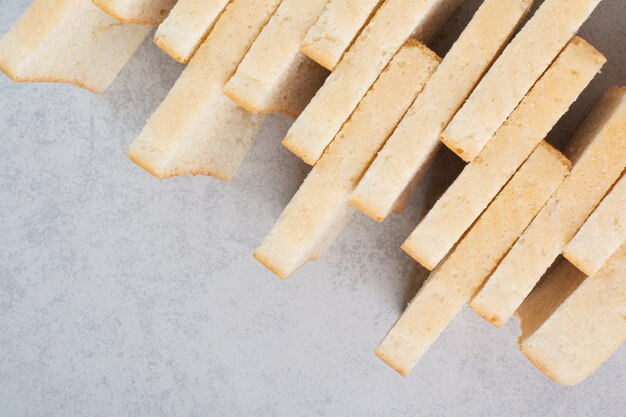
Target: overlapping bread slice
{"points": [[275, 76], [483, 178], [186, 26], [416, 138], [198, 130], [514, 73], [318, 211], [140, 12], [335, 29], [602, 234], [454, 281], [572, 324], [598, 153], [391, 26], [68, 41]]}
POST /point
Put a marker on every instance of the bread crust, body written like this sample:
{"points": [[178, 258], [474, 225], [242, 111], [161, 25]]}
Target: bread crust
{"points": [[141, 19]]}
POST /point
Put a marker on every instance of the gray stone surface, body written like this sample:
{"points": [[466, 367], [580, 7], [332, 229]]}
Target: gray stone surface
{"points": [[121, 295]]}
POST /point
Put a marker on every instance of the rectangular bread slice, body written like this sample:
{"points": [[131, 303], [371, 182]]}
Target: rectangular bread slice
{"points": [[335, 29], [197, 130], [187, 25], [69, 41], [318, 211], [572, 340], [139, 12], [514, 73], [275, 59], [416, 138], [483, 178], [602, 234], [391, 26], [598, 152], [452, 283]]}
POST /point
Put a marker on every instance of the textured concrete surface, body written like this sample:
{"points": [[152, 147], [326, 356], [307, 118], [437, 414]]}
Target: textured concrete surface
{"points": [[121, 295]]}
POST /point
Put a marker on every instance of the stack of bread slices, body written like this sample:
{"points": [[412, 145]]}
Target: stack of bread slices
{"points": [[524, 229]]}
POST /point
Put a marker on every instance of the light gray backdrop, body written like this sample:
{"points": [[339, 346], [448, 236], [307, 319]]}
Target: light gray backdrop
{"points": [[122, 295]]}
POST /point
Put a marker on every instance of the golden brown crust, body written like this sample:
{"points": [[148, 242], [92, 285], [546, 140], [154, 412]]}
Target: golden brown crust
{"points": [[231, 94], [391, 364], [487, 316], [21, 79], [459, 151], [179, 172], [162, 43], [424, 48], [365, 210], [266, 263], [252, 108], [126, 19], [299, 152], [536, 362], [407, 248], [311, 53]]}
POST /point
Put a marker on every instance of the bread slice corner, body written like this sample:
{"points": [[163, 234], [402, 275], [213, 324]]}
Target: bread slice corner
{"points": [[138, 12], [70, 41]]}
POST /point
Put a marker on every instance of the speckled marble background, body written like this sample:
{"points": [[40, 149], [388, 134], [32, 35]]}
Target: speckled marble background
{"points": [[121, 295]]}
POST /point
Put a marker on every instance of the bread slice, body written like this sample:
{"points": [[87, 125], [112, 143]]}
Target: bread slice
{"points": [[416, 139], [582, 332], [598, 153], [602, 234], [275, 58], [339, 24], [139, 12], [187, 25], [514, 73], [391, 26], [197, 130], [452, 284], [316, 214], [69, 41], [483, 178]]}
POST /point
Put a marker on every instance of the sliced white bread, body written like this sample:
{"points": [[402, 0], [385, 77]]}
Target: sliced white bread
{"points": [[452, 283], [274, 62], [335, 29], [297, 87], [139, 12], [197, 130], [187, 25], [568, 338], [514, 73], [308, 225], [68, 41], [391, 26], [416, 139], [602, 234], [598, 152], [483, 178]]}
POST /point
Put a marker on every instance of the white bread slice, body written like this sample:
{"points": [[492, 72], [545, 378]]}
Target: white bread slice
{"points": [[197, 130], [453, 282], [274, 62], [602, 234], [139, 12], [338, 25], [416, 139], [187, 25], [391, 26], [514, 73], [308, 225], [69, 41], [583, 331], [483, 178], [598, 152]]}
